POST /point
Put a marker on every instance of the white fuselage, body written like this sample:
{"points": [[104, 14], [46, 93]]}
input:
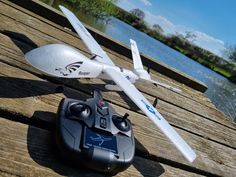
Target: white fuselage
{"points": [[129, 75]]}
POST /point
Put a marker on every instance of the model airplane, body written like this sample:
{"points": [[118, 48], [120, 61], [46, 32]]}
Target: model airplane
{"points": [[61, 60]]}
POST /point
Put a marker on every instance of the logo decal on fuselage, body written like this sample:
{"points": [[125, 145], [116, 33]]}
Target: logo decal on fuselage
{"points": [[83, 73], [69, 69], [150, 109]]}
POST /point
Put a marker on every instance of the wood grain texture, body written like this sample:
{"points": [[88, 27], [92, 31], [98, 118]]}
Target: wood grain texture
{"points": [[29, 151]]}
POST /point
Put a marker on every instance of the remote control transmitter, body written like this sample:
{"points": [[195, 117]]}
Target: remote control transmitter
{"points": [[92, 134]]}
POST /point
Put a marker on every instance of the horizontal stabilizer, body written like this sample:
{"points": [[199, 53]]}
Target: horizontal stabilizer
{"points": [[112, 87], [161, 84]]}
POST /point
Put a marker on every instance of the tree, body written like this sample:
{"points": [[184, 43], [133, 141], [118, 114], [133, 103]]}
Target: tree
{"points": [[230, 52], [157, 28], [190, 36], [138, 13], [50, 2], [97, 8]]}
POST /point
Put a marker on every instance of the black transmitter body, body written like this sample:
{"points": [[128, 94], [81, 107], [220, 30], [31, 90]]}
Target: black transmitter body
{"points": [[90, 133]]}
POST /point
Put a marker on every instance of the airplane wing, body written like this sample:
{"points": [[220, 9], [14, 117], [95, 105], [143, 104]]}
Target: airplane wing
{"points": [[131, 91], [87, 38]]}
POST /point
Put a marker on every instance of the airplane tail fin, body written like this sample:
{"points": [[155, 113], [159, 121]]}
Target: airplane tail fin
{"points": [[135, 54], [143, 75], [138, 65]]}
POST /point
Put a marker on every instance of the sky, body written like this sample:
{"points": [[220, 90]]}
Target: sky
{"points": [[212, 21]]}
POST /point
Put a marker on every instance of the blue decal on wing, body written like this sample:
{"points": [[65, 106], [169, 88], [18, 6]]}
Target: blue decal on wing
{"points": [[151, 110], [127, 77]]}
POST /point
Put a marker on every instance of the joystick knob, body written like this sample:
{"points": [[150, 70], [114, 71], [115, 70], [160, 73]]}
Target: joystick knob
{"points": [[80, 110], [121, 122]]}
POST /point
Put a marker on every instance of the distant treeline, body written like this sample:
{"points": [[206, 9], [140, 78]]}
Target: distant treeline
{"points": [[106, 8]]}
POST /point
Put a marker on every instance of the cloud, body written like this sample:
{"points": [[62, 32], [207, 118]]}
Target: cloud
{"points": [[168, 27], [126, 5], [146, 2], [201, 39], [205, 37], [208, 42]]}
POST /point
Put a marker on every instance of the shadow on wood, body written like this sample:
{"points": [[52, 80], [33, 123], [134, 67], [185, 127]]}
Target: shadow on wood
{"points": [[42, 149], [22, 41], [146, 169]]}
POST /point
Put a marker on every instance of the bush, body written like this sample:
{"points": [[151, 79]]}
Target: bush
{"points": [[97, 8]]}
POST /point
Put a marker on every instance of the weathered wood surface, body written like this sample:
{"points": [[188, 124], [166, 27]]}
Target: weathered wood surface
{"points": [[27, 96], [29, 151], [34, 98]]}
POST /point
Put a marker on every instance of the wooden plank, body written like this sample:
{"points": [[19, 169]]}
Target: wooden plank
{"points": [[164, 94], [29, 151], [32, 97]]}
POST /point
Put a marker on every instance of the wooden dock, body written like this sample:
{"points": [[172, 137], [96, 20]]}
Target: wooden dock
{"points": [[29, 102]]}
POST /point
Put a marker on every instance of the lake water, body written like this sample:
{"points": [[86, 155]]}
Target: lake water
{"points": [[220, 91]]}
